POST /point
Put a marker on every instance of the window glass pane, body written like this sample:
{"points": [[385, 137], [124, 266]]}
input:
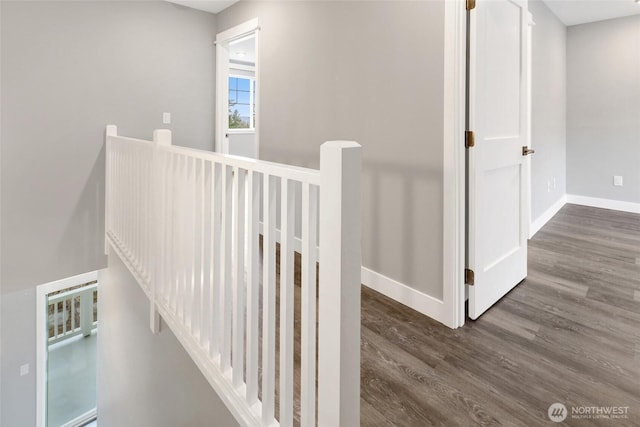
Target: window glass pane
{"points": [[243, 84], [239, 117], [237, 122], [243, 97], [240, 108], [243, 110]]}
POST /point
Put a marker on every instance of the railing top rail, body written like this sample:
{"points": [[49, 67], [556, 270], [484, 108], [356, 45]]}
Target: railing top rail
{"points": [[296, 173], [305, 175], [65, 295], [129, 139]]}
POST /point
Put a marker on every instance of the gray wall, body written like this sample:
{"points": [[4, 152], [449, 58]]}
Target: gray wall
{"points": [[146, 379], [603, 119], [370, 72], [18, 346], [549, 109], [67, 70]]}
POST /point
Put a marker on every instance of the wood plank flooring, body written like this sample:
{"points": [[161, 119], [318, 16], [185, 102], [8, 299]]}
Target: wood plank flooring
{"points": [[570, 333]]}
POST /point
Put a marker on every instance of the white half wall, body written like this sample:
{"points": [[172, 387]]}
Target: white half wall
{"points": [[146, 379]]}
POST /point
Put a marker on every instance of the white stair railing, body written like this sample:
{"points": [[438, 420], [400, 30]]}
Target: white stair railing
{"points": [[71, 313], [200, 233]]}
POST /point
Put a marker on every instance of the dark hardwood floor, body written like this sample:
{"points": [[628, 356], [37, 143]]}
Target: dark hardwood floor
{"points": [[569, 333]]}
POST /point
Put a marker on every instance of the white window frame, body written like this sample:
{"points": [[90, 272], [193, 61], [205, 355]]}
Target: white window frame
{"points": [[252, 126]]}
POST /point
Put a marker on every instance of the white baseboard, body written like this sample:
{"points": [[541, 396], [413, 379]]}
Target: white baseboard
{"points": [[595, 202], [539, 222], [421, 302], [412, 298]]}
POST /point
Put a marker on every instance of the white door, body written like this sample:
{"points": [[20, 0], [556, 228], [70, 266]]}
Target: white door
{"points": [[499, 117]]}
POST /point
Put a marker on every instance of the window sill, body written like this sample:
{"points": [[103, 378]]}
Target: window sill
{"points": [[241, 131]]}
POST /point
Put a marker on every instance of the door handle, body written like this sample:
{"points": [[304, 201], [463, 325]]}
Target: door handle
{"points": [[526, 151]]}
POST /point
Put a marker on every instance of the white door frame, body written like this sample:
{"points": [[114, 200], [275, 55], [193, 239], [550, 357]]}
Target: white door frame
{"points": [[41, 336], [222, 82], [454, 187]]}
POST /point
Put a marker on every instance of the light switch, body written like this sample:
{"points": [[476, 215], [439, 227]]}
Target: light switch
{"points": [[24, 370], [617, 181], [166, 118]]}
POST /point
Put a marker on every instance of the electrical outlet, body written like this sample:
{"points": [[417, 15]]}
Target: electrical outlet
{"points": [[24, 370], [617, 181], [166, 118]]}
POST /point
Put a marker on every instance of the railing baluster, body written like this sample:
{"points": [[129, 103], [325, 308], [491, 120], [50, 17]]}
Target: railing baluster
{"points": [[171, 240], [73, 313], [184, 247], [225, 270], [147, 221], [55, 320], [308, 305], [287, 222], [174, 248], [214, 273], [207, 286], [135, 202], [64, 317], [125, 202], [253, 259], [161, 227], [191, 245], [238, 276], [140, 224], [268, 300], [117, 209], [130, 203], [201, 196], [179, 234], [181, 245], [140, 204]]}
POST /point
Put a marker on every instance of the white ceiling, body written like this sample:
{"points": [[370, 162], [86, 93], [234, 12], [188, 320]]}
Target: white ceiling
{"points": [[574, 12], [570, 12], [213, 6]]}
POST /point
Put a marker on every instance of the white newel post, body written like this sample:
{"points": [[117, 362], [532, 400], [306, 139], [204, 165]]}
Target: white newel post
{"points": [[111, 130], [161, 137], [339, 285]]}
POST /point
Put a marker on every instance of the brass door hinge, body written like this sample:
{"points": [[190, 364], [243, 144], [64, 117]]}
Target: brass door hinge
{"points": [[469, 277], [469, 139], [471, 4]]}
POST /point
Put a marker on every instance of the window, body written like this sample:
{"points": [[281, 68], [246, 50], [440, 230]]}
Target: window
{"points": [[241, 102]]}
